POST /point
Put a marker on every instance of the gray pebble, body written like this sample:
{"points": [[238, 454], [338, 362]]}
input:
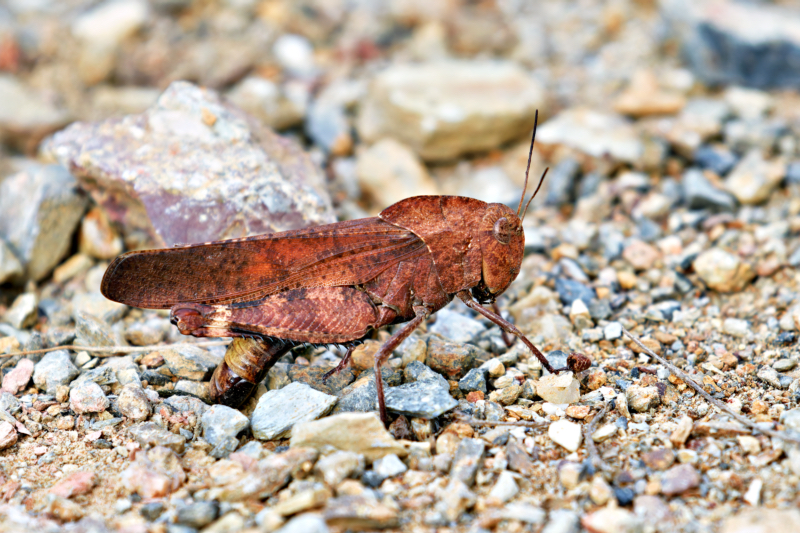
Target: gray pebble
{"points": [[277, 411], [784, 365], [475, 380], [221, 422], [190, 362], [339, 465], [91, 331], [467, 460], [416, 371], [701, 194], [388, 466], [571, 290], [561, 184], [54, 369], [198, 514], [720, 160], [149, 434], [600, 309], [184, 404], [421, 399], [22, 313], [456, 326], [103, 376], [151, 510], [612, 331], [133, 403], [770, 376], [360, 396], [305, 523]]}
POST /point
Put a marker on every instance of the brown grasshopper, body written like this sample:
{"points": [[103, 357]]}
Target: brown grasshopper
{"points": [[332, 284]]}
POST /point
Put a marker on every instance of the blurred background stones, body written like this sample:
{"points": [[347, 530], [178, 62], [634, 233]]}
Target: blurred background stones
{"points": [[671, 208]]}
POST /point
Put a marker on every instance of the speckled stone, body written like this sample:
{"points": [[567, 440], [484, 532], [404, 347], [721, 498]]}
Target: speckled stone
{"points": [[253, 181]]}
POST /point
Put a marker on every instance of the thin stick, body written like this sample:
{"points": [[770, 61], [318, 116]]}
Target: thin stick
{"points": [[109, 351], [710, 399], [591, 447], [491, 423]]}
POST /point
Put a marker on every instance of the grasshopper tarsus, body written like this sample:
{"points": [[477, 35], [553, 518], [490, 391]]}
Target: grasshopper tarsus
{"points": [[341, 366]]}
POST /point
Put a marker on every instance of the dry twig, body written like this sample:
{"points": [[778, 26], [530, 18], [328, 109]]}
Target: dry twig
{"points": [[109, 351], [491, 423], [591, 447], [710, 399]]}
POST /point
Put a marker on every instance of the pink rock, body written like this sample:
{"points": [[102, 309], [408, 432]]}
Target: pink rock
{"points": [[641, 255], [88, 398], [17, 379], [74, 484], [8, 435], [679, 479], [154, 474], [194, 168], [93, 436]]}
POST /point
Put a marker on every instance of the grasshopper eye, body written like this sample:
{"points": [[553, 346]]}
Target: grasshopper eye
{"points": [[502, 230]]}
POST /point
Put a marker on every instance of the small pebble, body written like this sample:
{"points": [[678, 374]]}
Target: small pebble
{"points": [[565, 433]]}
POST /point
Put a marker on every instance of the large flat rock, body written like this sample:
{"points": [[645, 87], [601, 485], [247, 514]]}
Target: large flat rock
{"points": [[193, 168]]}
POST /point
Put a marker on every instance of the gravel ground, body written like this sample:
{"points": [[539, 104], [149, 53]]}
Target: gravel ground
{"points": [[671, 211]]}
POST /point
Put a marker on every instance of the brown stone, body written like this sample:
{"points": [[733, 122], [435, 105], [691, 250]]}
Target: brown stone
{"points": [[475, 396], [363, 357], [659, 459], [596, 380], [652, 344], [578, 411]]}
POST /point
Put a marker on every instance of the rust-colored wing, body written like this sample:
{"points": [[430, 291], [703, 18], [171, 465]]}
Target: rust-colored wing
{"points": [[238, 270]]}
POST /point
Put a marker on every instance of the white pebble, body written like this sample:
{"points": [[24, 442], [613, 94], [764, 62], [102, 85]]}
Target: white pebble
{"points": [[566, 434], [505, 488]]}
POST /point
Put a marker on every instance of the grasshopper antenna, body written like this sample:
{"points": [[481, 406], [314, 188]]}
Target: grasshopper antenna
{"points": [[541, 180], [528, 168]]}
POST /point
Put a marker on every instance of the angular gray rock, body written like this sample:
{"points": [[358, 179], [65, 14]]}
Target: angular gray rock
{"points": [[593, 133], [22, 313], [467, 460], [421, 399], [91, 331], [701, 194], [133, 403], [10, 267], [738, 43], [40, 208], [54, 369], [278, 410], [144, 171], [221, 425]]}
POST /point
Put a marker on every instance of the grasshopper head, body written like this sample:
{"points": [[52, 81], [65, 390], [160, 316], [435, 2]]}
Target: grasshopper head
{"points": [[502, 243]]}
